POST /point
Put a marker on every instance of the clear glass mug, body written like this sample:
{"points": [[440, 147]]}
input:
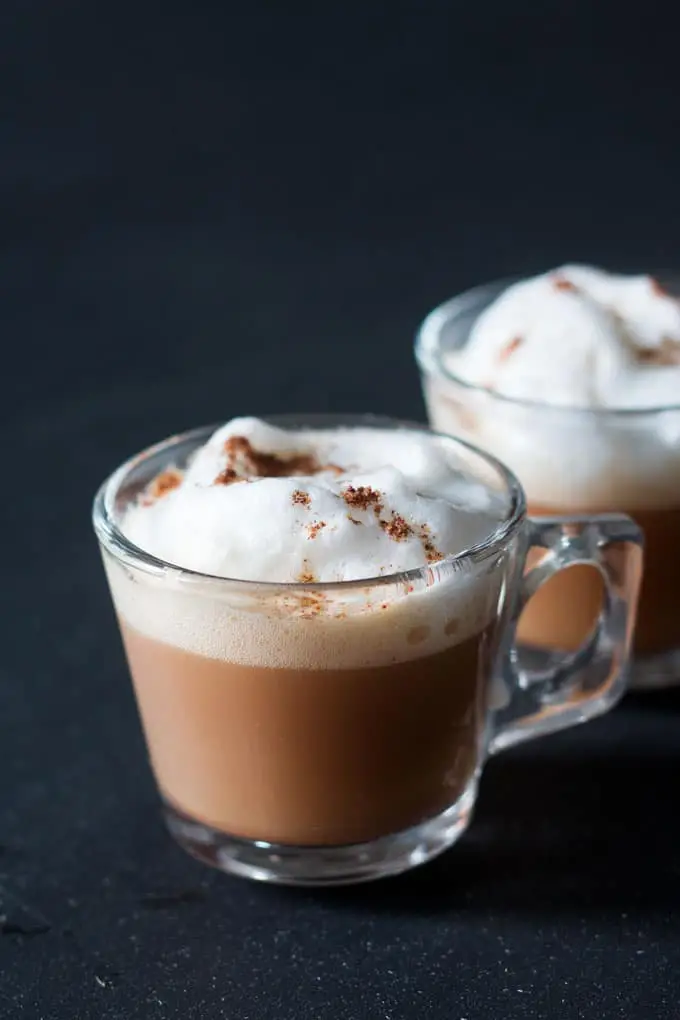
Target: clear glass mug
{"points": [[335, 733], [572, 462]]}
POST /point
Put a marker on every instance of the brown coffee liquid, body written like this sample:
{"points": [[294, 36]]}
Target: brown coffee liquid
{"points": [[564, 610], [310, 757]]}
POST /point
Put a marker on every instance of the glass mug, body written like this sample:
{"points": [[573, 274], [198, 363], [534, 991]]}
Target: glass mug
{"points": [[574, 461], [318, 734]]}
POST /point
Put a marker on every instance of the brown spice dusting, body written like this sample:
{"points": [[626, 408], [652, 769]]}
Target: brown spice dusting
{"points": [[657, 288], [312, 603], [227, 477], [259, 464], [432, 554], [314, 529], [161, 485], [510, 348], [308, 603], [301, 498], [397, 527], [363, 497], [306, 576], [667, 353], [560, 283]]}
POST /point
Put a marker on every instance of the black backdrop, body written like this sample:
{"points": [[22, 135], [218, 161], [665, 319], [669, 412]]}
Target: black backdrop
{"points": [[205, 212]]}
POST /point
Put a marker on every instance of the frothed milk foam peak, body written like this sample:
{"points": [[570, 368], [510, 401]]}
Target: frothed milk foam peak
{"points": [[258, 503], [577, 337], [575, 340]]}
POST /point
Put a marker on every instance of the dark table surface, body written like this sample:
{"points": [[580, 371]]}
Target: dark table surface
{"points": [[204, 214]]}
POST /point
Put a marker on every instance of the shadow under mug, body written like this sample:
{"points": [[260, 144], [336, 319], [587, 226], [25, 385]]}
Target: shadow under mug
{"points": [[319, 734]]}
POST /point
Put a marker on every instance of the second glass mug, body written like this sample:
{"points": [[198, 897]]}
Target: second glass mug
{"points": [[571, 460], [365, 763]]}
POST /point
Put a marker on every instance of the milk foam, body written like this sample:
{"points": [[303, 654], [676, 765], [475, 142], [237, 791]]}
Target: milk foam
{"points": [[576, 337], [314, 527], [266, 529], [578, 353]]}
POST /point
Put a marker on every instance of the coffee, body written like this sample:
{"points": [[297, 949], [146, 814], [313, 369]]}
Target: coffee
{"points": [[310, 757], [294, 712]]}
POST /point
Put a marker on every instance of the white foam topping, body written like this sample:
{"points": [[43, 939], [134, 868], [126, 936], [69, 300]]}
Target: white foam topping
{"points": [[359, 503], [577, 337], [573, 340]]}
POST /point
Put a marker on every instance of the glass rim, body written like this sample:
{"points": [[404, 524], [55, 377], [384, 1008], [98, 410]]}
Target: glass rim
{"points": [[114, 541], [428, 357]]}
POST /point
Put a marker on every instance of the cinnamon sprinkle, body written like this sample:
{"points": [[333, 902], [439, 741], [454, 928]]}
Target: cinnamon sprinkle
{"points": [[227, 477], [510, 348], [310, 607], [363, 497], [432, 554], [306, 576], [161, 485], [397, 527], [271, 465], [667, 353], [560, 283], [301, 498], [314, 529], [657, 288]]}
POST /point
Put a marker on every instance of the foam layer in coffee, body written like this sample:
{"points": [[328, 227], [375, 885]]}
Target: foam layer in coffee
{"points": [[260, 504], [578, 337], [579, 343]]}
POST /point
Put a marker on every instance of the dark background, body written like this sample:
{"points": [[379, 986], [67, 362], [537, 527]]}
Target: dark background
{"points": [[206, 212]]}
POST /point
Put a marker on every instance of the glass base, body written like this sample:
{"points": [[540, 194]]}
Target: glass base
{"points": [[655, 672], [323, 866], [646, 673]]}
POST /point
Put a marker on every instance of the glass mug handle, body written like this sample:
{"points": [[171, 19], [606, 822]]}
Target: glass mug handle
{"points": [[575, 686]]}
